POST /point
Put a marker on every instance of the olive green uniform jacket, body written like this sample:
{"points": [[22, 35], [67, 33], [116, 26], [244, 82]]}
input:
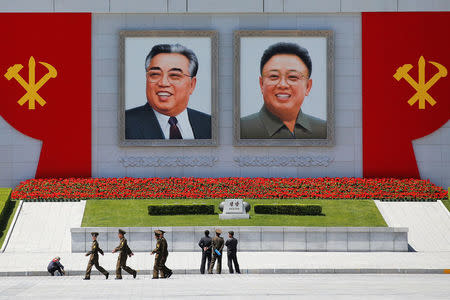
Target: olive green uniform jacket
{"points": [[265, 125]]}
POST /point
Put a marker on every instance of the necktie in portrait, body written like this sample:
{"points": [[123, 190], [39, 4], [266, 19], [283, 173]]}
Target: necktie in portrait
{"points": [[175, 133]]}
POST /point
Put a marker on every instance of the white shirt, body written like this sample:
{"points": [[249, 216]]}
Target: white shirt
{"points": [[183, 125]]}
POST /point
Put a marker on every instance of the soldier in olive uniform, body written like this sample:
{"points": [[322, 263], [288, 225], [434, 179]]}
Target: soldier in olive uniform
{"points": [[161, 254], [93, 259], [125, 251], [217, 247]]}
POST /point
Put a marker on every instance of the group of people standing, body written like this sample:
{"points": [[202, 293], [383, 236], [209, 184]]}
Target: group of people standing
{"points": [[212, 251]]}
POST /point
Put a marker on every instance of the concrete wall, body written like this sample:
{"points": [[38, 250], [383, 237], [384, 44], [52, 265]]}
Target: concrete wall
{"points": [[19, 155], [220, 6], [185, 239]]}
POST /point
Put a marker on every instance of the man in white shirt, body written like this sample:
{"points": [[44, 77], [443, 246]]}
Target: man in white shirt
{"points": [[171, 78]]}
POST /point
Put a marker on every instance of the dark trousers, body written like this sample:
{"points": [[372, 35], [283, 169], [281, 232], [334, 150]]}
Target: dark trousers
{"points": [[232, 258], [213, 261], [122, 264], [53, 270], [94, 262], [205, 255]]}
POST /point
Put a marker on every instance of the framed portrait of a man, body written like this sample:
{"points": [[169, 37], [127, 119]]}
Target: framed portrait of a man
{"points": [[283, 88], [168, 88]]}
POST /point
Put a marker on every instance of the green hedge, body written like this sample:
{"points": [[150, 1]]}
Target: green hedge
{"points": [[160, 210], [293, 209], [5, 202]]}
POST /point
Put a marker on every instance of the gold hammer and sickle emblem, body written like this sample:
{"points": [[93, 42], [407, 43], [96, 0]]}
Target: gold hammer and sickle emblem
{"points": [[31, 86], [421, 87]]}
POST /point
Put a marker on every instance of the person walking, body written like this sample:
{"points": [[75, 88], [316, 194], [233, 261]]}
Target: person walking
{"points": [[124, 253], [161, 253], [231, 253], [217, 247], [93, 259], [205, 244]]}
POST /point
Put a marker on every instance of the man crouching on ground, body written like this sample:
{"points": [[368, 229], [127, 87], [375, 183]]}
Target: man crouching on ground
{"points": [[54, 266]]}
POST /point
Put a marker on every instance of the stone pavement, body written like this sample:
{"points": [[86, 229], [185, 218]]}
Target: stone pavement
{"points": [[428, 223], [254, 286], [21, 264], [45, 226]]}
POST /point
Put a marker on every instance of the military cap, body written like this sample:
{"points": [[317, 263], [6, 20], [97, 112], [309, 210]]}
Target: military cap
{"points": [[219, 231], [158, 232], [94, 233], [162, 231], [122, 231]]}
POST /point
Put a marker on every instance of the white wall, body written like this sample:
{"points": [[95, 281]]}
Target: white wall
{"points": [[347, 154], [221, 6]]}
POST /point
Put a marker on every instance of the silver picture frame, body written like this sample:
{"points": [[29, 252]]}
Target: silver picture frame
{"points": [[289, 35], [164, 35]]}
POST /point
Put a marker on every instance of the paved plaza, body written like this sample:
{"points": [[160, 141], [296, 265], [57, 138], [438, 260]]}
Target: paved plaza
{"points": [[313, 286], [20, 264]]}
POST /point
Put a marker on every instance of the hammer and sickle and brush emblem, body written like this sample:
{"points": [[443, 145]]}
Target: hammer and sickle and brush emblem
{"points": [[421, 87], [31, 86]]}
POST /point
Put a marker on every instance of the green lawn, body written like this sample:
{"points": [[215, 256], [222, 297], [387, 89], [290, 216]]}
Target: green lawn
{"points": [[133, 213], [7, 209], [447, 204]]}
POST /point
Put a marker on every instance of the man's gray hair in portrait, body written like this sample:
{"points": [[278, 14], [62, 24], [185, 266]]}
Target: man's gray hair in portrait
{"points": [[174, 48]]}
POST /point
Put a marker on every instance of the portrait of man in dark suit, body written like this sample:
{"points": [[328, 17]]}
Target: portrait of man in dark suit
{"points": [[285, 81], [171, 71]]}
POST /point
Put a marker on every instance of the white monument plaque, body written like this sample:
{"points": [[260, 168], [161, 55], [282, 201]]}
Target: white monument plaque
{"points": [[234, 209]]}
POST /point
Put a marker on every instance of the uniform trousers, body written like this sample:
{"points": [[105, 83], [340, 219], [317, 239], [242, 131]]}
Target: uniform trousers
{"points": [[215, 257], [94, 262], [160, 267], [122, 264]]}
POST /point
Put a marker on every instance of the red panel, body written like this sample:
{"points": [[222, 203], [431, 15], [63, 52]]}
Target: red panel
{"points": [[390, 124], [63, 124]]}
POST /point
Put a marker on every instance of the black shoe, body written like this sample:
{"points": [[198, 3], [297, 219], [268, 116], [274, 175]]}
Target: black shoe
{"points": [[155, 277], [85, 278], [168, 275], [134, 274], [118, 278], [107, 275]]}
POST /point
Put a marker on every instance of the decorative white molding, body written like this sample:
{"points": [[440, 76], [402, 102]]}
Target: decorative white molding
{"points": [[167, 161], [284, 161]]}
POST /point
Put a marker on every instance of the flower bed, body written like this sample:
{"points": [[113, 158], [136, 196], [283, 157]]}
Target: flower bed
{"points": [[235, 187]]}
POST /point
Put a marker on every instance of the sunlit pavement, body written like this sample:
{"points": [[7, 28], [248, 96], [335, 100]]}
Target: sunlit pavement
{"points": [[231, 286]]}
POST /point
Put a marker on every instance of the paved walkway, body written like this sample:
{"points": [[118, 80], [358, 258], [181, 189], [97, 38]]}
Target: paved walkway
{"points": [[428, 223], [45, 226], [42, 232], [261, 287], [250, 262]]}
